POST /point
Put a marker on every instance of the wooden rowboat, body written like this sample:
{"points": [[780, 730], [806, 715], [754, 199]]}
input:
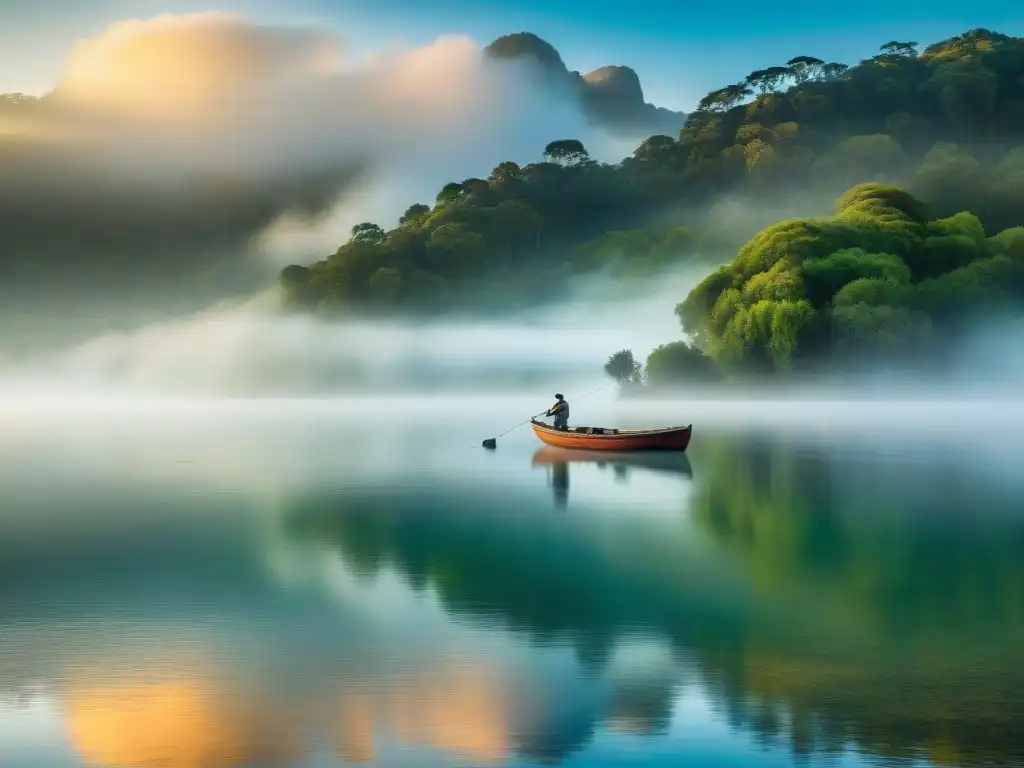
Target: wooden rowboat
{"points": [[599, 439]]}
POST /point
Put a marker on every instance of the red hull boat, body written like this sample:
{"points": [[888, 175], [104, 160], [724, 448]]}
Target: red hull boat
{"points": [[599, 439]]}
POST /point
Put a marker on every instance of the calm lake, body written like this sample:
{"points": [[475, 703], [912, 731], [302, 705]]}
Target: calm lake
{"points": [[332, 583]]}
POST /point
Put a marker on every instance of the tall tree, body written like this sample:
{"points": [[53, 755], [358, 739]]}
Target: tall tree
{"points": [[895, 48], [760, 80], [367, 232], [656, 149], [413, 213], [449, 192], [734, 94], [566, 152], [712, 102], [474, 186], [804, 68], [724, 99], [777, 76], [833, 69], [622, 366], [506, 172]]}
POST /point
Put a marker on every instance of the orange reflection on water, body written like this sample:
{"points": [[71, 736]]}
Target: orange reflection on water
{"points": [[464, 712], [173, 724], [355, 740], [195, 721]]}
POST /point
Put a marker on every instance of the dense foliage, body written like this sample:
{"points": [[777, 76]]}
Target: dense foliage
{"points": [[516, 236], [947, 123], [666, 365], [880, 280]]}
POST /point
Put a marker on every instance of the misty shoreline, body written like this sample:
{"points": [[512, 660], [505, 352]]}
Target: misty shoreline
{"points": [[620, 252], [476, 397]]}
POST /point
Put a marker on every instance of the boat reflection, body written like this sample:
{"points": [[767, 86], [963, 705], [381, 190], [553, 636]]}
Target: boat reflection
{"points": [[559, 459]]}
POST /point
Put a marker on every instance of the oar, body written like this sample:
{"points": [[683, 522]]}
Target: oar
{"points": [[492, 442]]}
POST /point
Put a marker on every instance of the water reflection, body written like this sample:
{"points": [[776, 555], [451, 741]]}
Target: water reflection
{"points": [[470, 712], [898, 628], [197, 720], [178, 723], [809, 596], [557, 460]]}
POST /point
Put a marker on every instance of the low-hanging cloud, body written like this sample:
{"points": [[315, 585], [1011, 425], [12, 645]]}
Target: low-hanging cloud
{"points": [[170, 143], [254, 348]]}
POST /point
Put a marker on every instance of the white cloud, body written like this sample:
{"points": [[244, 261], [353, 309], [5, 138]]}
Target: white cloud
{"points": [[156, 102]]}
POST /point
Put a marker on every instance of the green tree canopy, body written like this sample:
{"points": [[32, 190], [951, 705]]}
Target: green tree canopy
{"points": [[622, 366], [566, 152], [679, 363], [414, 213], [879, 279], [367, 232], [948, 122]]}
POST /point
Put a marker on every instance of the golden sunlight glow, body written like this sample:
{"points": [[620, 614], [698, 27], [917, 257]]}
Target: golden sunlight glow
{"points": [[442, 75], [196, 87], [465, 714], [192, 722], [31, 126], [180, 66], [355, 742], [174, 724]]}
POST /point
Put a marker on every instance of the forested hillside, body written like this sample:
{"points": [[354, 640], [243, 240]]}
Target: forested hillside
{"points": [[945, 124], [881, 281]]}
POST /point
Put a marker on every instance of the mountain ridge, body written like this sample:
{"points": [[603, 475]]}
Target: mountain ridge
{"points": [[611, 95]]}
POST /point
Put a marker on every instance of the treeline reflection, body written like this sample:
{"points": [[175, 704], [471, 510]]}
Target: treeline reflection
{"points": [[881, 608]]}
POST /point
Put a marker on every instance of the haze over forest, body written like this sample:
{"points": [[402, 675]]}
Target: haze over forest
{"points": [[268, 207]]}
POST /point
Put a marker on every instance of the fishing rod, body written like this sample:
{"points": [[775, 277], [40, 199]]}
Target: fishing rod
{"points": [[492, 442]]}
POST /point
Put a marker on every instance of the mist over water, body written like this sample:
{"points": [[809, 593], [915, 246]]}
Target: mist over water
{"points": [[254, 348], [390, 131]]}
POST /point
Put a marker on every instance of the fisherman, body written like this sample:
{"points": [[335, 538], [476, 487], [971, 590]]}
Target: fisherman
{"points": [[560, 410]]}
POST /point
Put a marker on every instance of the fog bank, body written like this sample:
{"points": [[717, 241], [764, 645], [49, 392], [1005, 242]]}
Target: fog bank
{"points": [[252, 347], [194, 155]]}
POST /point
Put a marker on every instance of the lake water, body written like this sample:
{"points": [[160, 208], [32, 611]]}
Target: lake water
{"points": [[326, 584]]}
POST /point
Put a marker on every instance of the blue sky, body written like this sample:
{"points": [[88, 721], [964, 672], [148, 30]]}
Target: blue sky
{"points": [[680, 49]]}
